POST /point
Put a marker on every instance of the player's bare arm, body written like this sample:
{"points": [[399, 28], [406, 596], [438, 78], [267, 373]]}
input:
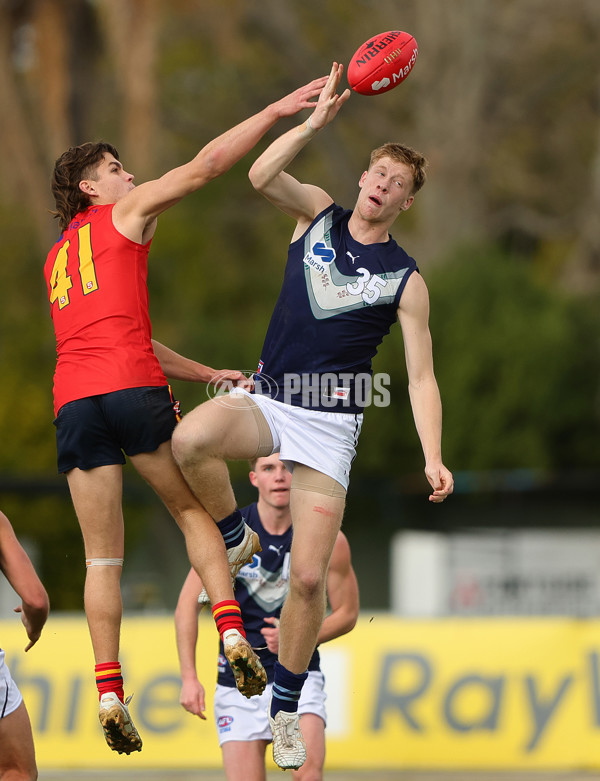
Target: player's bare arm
{"points": [[192, 696], [413, 315], [342, 593], [135, 212], [178, 367], [20, 573], [268, 176]]}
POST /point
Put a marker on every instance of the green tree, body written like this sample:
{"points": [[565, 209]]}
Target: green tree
{"points": [[517, 361]]}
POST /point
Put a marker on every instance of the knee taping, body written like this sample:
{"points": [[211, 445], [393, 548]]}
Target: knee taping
{"points": [[304, 478], [104, 562]]}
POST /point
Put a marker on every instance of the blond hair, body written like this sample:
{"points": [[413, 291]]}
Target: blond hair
{"points": [[400, 153]]}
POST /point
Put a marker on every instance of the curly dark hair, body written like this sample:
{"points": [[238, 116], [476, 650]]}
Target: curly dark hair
{"points": [[74, 165]]}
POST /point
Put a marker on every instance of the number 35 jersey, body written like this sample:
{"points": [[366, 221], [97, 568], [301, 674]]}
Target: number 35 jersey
{"points": [[338, 300], [97, 286]]}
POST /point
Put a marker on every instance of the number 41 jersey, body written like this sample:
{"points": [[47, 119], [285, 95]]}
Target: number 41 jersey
{"points": [[97, 286], [338, 300]]}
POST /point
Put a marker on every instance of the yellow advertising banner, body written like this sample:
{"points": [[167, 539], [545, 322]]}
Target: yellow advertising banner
{"points": [[474, 693]]}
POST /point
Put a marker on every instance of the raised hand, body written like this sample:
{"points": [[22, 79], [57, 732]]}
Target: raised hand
{"points": [[301, 98], [329, 102]]}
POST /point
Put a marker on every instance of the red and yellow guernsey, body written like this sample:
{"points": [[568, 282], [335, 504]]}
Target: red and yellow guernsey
{"points": [[97, 286]]}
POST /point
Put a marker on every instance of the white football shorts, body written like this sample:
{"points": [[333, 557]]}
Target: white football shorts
{"points": [[325, 441], [10, 696], [238, 718]]}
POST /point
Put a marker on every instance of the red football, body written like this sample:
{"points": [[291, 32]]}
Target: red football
{"points": [[382, 62]]}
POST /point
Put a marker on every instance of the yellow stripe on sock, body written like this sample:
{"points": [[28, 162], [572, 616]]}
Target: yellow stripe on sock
{"points": [[227, 609]]}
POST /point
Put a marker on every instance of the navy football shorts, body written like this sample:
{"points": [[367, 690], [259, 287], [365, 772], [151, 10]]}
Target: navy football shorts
{"points": [[97, 430]]}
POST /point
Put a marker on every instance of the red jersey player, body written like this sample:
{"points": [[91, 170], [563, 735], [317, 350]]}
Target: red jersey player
{"points": [[111, 394]]}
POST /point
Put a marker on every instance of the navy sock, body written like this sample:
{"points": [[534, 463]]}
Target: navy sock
{"points": [[286, 690], [232, 529]]}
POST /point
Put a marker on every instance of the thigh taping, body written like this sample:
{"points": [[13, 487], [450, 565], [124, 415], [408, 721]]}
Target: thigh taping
{"points": [[304, 478], [265, 438]]}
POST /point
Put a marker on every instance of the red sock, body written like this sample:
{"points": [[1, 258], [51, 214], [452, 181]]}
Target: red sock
{"points": [[109, 679], [228, 615]]}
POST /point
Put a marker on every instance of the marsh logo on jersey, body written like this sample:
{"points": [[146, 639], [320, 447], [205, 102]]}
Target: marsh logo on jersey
{"points": [[251, 570], [332, 292], [319, 255]]}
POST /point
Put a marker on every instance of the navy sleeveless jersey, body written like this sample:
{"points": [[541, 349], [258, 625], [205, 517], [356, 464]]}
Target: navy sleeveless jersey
{"points": [[338, 300], [261, 588]]}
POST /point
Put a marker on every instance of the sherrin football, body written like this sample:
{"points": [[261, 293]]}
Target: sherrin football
{"points": [[382, 62]]}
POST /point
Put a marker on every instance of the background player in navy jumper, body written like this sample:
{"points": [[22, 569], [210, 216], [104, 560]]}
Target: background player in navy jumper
{"points": [[346, 282], [261, 586]]}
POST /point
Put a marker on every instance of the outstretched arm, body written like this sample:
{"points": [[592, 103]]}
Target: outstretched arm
{"points": [[342, 593], [177, 367], [134, 213], [21, 574], [413, 314], [186, 633], [301, 201]]}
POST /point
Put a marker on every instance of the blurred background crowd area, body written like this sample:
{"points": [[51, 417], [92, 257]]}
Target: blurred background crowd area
{"points": [[503, 100]]}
